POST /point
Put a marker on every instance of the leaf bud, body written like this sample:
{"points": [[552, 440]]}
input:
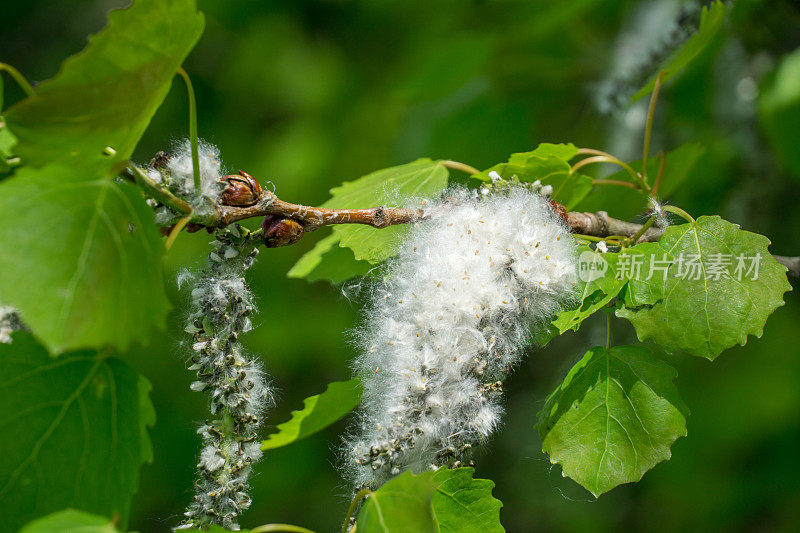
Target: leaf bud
{"points": [[559, 211], [281, 231], [241, 190]]}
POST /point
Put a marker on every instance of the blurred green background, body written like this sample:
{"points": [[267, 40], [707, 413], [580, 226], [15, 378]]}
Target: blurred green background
{"points": [[307, 94]]}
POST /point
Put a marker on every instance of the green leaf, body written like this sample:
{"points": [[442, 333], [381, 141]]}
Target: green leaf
{"points": [[624, 203], [395, 187], [547, 164], [598, 284], [76, 432], [7, 143], [82, 258], [106, 94], [703, 298], [7, 140], [564, 152], [613, 418], [318, 412], [462, 504], [70, 521], [330, 262], [401, 505], [779, 111], [442, 501], [711, 21]]}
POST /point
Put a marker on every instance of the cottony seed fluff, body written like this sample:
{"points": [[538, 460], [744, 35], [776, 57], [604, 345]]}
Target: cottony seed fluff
{"points": [[472, 284]]}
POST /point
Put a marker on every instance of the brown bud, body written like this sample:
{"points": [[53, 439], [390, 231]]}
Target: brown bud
{"points": [[242, 190], [281, 231], [559, 210]]}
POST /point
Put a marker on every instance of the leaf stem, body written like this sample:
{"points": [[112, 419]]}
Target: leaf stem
{"points": [[610, 238], [661, 166], [618, 183], [19, 78], [156, 191], [457, 165], [605, 157], [266, 528], [192, 130], [678, 211], [594, 159], [648, 129], [362, 494], [646, 226], [608, 331], [177, 229]]}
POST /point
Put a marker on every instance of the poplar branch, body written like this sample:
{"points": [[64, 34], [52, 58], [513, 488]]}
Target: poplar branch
{"points": [[315, 217], [598, 224]]}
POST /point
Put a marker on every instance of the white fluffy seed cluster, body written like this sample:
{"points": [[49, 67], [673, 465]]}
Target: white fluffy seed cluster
{"points": [[221, 307], [174, 170], [9, 322], [469, 288]]}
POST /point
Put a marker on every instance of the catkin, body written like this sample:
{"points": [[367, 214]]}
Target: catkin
{"points": [[221, 307], [470, 286]]}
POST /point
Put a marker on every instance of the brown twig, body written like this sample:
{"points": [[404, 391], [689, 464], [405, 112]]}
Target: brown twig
{"points": [[316, 217], [598, 224], [601, 225]]}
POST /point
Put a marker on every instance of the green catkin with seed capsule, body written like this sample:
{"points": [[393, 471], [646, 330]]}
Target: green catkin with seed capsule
{"points": [[221, 306]]}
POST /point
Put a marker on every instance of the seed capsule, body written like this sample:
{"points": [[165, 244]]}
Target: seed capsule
{"points": [[242, 190]]}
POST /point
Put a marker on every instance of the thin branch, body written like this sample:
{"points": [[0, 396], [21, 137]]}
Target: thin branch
{"points": [[598, 224], [601, 225], [316, 217]]}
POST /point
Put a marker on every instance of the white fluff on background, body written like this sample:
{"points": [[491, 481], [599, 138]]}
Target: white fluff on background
{"points": [[471, 285]]}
